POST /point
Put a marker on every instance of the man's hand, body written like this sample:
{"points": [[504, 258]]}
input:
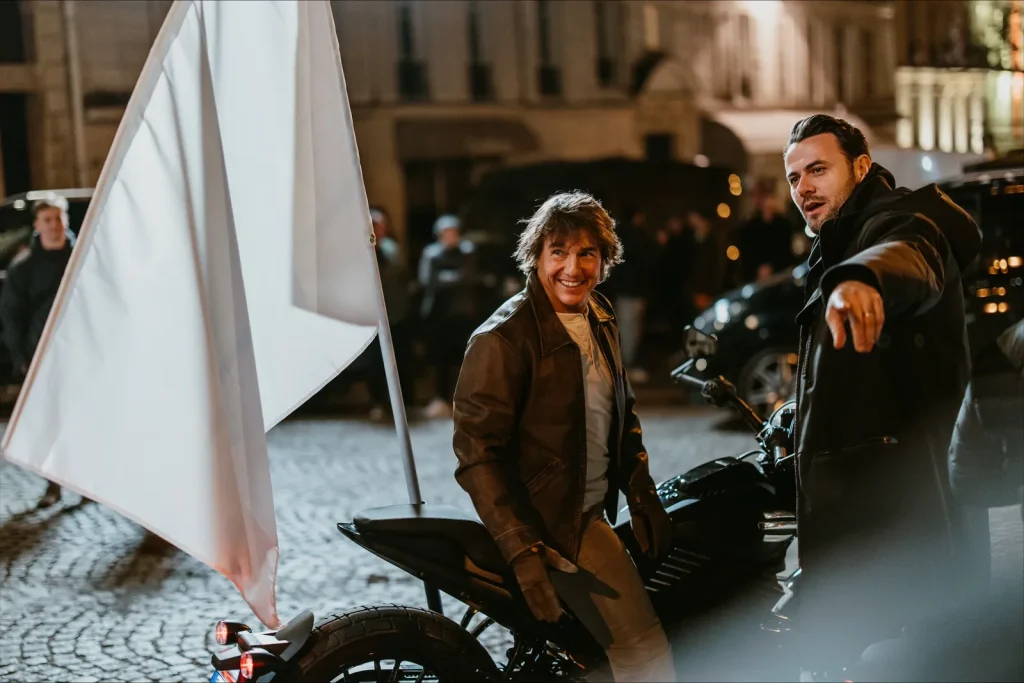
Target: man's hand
{"points": [[531, 569], [861, 306], [653, 529]]}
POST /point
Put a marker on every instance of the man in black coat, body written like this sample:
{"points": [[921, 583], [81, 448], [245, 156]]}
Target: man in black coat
{"points": [[30, 289], [883, 367]]}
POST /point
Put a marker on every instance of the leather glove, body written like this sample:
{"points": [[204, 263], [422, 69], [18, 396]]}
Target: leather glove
{"points": [[653, 528], [531, 570]]}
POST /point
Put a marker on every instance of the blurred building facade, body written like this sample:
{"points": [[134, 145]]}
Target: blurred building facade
{"points": [[960, 81], [443, 90], [67, 70]]}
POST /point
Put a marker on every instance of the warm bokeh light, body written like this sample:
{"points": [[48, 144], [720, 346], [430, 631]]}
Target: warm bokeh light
{"points": [[724, 211], [732, 252]]}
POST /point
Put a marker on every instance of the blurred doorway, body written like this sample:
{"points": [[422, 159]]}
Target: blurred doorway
{"points": [[15, 167], [435, 187]]}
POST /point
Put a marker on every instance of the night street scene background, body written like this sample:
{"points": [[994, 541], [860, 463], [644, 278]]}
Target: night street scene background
{"points": [[467, 115]]}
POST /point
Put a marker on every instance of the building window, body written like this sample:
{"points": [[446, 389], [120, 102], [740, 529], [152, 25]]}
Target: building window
{"points": [[725, 57], [604, 25], [814, 89], [481, 86], [412, 73], [747, 64], [549, 75], [12, 45], [839, 43], [867, 48], [659, 147]]}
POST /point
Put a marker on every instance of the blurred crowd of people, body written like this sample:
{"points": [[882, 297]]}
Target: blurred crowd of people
{"points": [[670, 274], [436, 299], [673, 272]]}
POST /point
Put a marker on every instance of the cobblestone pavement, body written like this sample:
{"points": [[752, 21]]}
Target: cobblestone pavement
{"points": [[84, 596]]}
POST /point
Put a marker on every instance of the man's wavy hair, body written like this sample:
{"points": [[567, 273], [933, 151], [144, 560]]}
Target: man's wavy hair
{"points": [[564, 215]]}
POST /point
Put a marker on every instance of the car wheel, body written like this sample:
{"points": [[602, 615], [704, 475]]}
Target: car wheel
{"points": [[769, 379]]}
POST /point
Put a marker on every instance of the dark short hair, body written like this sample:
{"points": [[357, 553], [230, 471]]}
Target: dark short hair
{"points": [[564, 214], [851, 140], [54, 202]]}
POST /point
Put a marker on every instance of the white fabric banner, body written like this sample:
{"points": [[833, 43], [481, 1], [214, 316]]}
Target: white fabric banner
{"points": [[229, 220]]}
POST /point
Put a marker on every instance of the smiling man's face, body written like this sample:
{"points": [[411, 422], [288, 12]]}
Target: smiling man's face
{"points": [[569, 268], [821, 177]]}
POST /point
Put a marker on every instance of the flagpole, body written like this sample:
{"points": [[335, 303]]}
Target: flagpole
{"points": [[387, 351]]}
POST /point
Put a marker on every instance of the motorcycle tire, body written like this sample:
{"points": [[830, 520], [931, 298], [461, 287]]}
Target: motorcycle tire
{"points": [[366, 635]]}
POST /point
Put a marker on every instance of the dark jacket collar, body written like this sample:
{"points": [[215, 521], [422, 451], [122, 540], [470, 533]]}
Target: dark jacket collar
{"points": [[872, 195], [552, 332]]}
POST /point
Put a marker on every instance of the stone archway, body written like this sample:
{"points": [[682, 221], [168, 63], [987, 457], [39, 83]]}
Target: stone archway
{"points": [[666, 106], [722, 146], [670, 75]]}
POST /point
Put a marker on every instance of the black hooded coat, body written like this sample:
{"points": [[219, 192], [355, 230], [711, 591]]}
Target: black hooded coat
{"points": [[879, 534]]}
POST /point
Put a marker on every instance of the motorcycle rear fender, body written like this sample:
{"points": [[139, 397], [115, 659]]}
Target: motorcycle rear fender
{"points": [[459, 577], [446, 567]]}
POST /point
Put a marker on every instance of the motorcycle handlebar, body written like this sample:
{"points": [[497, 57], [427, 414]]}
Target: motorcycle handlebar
{"points": [[752, 419], [719, 391]]}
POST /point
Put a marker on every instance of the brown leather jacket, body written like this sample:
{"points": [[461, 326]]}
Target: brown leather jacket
{"points": [[520, 426]]}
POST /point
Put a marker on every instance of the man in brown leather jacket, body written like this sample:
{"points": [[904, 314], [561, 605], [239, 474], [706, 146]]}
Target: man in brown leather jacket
{"points": [[547, 436]]}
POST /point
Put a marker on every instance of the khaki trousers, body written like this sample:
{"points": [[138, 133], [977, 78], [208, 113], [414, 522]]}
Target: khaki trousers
{"points": [[609, 597]]}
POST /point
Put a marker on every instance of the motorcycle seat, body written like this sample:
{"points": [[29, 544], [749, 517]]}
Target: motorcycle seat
{"points": [[436, 520]]}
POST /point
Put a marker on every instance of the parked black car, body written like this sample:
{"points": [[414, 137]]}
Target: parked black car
{"points": [[756, 327]]}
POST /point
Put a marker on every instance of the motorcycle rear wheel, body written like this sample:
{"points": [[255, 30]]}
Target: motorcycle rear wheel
{"points": [[392, 643]]}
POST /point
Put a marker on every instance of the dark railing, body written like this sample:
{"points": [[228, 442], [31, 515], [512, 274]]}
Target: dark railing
{"points": [[944, 55], [605, 72], [481, 86], [550, 81], [412, 80]]}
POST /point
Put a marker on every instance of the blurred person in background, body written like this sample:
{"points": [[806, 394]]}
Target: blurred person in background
{"points": [[882, 371], [706, 261], [447, 276], [986, 456], [398, 285], [672, 267], [547, 437], [630, 289], [765, 240], [30, 289]]}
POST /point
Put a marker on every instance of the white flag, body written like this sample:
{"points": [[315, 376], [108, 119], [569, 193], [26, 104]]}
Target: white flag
{"points": [[229, 220]]}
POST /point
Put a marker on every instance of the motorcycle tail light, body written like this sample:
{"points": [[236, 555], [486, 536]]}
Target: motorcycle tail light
{"points": [[253, 663], [246, 666], [227, 631]]}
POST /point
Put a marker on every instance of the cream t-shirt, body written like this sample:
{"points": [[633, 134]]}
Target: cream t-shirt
{"points": [[598, 390]]}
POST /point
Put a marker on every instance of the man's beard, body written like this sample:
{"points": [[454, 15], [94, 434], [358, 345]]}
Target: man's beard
{"points": [[833, 208]]}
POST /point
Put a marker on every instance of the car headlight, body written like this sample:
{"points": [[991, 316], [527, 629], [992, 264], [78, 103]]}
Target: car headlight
{"points": [[721, 313]]}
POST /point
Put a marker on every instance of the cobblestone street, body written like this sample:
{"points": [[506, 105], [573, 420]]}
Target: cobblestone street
{"points": [[85, 596]]}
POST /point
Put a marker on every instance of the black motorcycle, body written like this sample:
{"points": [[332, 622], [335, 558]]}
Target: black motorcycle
{"points": [[733, 519]]}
